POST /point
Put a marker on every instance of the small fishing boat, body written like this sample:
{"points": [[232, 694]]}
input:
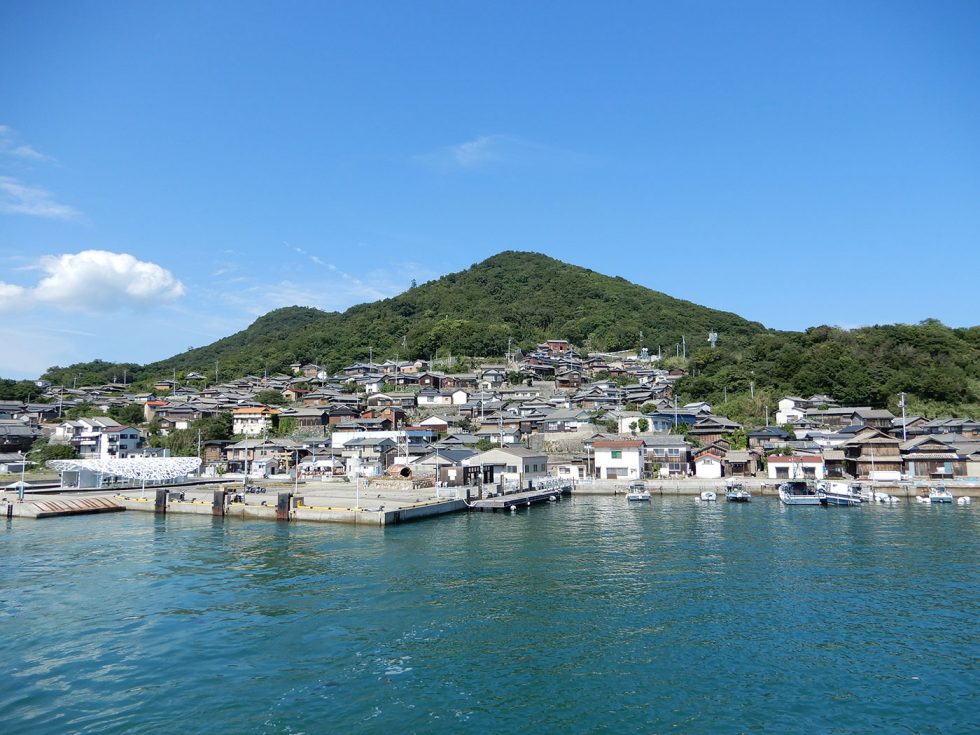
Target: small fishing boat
{"points": [[963, 500], [638, 492], [798, 492], [940, 494], [735, 492], [840, 493], [708, 496]]}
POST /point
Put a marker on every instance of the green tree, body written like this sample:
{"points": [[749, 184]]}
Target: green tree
{"points": [[131, 414], [485, 445], [643, 425], [270, 398], [82, 410], [42, 450], [286, 426]]}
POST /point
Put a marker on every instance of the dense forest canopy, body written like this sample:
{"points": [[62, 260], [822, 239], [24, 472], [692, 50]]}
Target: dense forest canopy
{"points": [[519, 299]]}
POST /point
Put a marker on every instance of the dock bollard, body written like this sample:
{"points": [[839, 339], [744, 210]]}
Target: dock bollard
{"points": [[160, 501], [218, 503], [283, 504]]}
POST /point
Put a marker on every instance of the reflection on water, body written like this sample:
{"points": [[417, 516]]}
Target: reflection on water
{"points": [[586, 615]]}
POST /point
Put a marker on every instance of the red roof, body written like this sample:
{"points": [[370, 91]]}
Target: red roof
{"points": [[613, 444], [814, 460]]}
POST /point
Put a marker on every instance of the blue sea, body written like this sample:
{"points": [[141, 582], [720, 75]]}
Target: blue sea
{"points": [[587, 616]]}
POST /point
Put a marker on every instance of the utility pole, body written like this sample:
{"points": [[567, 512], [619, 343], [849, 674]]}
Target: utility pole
{"points": [[767, 416], [752, 388], [684, 343], [904, 430]]}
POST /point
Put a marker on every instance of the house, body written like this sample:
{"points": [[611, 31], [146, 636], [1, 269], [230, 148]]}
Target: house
{"points": [[667, 455], [261, 458], [437, 423], [254, 421], [17, 435], [834, 417], [928, 456], [628, 422], [708, 464], [782, 467], [663, 421], [12, 462], [740, 463], [791, 410], [769, 436], [294, 393], [871, 450], [618, 459], [368, 455], [214, 450], [434, 397], [98, 436], [308, 420], [712, 428], [877, 418], [512, 463]]}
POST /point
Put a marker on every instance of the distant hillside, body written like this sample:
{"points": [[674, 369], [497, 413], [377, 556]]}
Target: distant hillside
{"points": [[523, 297]]}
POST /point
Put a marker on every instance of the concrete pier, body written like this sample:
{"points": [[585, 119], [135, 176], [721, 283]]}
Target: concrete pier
{"points": [[61, 507], [546, 493]]}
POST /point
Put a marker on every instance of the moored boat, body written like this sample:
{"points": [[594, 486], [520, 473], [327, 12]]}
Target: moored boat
{"points": [[840, 493], [798, 492], [638, 492], [708, 496], [735, 492], [940, 494]]}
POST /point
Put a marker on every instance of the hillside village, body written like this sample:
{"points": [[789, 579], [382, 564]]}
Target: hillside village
{"points": [[548, 412]]}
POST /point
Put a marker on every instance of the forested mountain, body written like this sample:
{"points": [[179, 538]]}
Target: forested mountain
{"points": [[521, 297], [524, 298], [937, 366]]}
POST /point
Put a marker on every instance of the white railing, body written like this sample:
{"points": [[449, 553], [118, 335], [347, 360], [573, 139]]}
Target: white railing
{"points": [[551, 483]]}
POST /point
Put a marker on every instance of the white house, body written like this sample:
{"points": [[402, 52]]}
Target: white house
{"points": [[512, 463], [708, 466], [791, 410], [254, 421], [796, 468], [98, 436], [627, 422], [618, 459]]}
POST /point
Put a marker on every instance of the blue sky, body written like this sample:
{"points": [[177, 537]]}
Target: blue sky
{"points": [[171, 171]]}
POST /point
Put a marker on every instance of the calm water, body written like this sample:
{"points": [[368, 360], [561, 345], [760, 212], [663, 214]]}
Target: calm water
{"points": [[585, 616]]}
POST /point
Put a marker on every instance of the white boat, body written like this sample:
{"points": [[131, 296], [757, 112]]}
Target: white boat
{"points": [[735, 492], [840, 493], [638, 492], [940, 494], [963, 500], [708, 496], [798, 492]]}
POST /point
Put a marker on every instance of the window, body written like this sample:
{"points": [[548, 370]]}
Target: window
{"points": [[617, 454], [674, 452], [782, 473]]}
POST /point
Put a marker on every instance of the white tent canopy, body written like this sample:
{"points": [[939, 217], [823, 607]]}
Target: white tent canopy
{"points": [[133, 468]]}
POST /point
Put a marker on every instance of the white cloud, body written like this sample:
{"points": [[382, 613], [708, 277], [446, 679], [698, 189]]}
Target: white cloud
{"points": [[95, 281], [11, 296], [501, 149], [19, 198], [478, 151], [10, 147]]}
